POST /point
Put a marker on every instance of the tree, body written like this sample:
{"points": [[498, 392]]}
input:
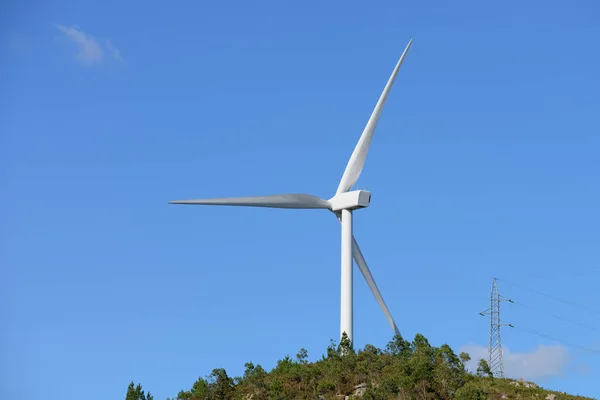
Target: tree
{"points": [[465, 357], [254, 381], [345, 347], [221, 385], [399, 347], [302, 356], [448, 373], [421, 363], [137, 393], [483, 369], [200, 390]]}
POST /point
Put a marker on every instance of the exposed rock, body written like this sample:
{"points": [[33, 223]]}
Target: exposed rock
{"points": [[359, 390], [551, 396], [524, 383], [528, 384]]}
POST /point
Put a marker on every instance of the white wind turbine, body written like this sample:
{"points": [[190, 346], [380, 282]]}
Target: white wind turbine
{"points": [[342, 205]]}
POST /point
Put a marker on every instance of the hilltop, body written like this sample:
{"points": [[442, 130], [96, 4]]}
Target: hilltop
{"points": [[403, 370]]}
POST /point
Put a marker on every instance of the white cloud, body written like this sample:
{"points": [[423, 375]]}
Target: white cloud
{"points": [[116, 54], [543, 362], [90, 51]]}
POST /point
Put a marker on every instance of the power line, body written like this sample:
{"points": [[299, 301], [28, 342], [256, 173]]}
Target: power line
{"points": [[544, 335], [552, 297], [554, 315], [582, 273], [495, 346]]}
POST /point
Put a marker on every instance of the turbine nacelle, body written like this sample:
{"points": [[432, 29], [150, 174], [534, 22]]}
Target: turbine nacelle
{"points": [[350, 200]]}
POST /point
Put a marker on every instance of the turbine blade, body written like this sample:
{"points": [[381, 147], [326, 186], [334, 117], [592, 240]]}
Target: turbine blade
{"points": [[359, 155], [366, 273], [302, 201]]}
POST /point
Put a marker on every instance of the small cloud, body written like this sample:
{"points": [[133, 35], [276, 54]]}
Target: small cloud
{"points": [[114, 52], [543, 362], [90, 51]]}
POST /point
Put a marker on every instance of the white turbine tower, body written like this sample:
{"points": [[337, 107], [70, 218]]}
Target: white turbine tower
{"points": [[342, 204]]}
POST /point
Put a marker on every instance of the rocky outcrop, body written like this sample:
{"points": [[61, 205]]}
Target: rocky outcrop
{"points": [[525, 384], [359, 390]]}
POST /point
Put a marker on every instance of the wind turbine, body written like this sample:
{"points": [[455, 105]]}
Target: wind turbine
{"points": [[342, 204]]}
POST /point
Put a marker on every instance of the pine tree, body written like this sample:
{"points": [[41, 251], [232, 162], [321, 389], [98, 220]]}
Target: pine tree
{"points": [[137, 393]]}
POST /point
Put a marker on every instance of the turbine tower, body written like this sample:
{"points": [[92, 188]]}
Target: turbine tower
{"points": [[342, 204]]}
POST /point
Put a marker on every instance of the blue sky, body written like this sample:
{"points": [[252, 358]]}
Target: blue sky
{"points": [[485, 163]]}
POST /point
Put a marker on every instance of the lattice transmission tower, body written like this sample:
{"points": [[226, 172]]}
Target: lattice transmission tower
{"points": [[495, 361]]}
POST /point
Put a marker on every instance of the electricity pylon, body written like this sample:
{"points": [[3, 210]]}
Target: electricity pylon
{"points": [[495, 361]]}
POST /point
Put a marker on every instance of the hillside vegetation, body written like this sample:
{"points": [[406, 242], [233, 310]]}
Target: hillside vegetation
{"points": [[403, 370]]}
